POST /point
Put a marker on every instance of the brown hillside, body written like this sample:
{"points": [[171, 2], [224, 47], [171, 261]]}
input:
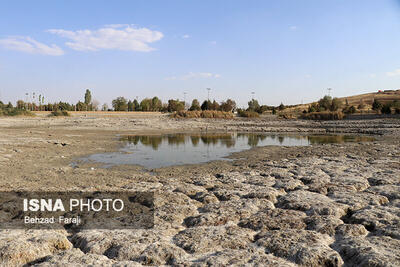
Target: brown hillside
{"points": [[382, 96]]}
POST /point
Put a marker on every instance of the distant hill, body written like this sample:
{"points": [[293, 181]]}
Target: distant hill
{"points": [[382, 96]]}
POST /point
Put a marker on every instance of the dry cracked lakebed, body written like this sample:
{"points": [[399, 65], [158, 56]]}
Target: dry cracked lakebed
{"points": [[318, 205]]}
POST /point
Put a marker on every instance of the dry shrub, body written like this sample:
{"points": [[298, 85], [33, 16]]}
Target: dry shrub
{"points": [[287, 116], [210, 114], [326, 115], [59, 113], [15, 112]]}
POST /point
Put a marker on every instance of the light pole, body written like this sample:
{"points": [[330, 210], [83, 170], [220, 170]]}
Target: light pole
{"points": [[329, 91], [208, 95], [252, 95], [184, 99], [26, 101]]}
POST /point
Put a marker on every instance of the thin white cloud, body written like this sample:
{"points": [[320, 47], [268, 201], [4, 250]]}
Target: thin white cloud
{"points": [[116, 25], [213, 42], [194, 75], [372, 75], [186, 36], [393, 73], [293, 28], [115, 36], [29, 45]]}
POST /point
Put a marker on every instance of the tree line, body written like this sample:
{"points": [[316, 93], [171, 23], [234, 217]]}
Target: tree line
{"points": [[327, 103], [176, 105], [146, 104], [86, 105]]}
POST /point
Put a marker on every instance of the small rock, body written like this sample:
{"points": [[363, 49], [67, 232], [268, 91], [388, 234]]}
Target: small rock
{"points": [[312, 203], [213, 238], [275, 219], [370, 251], [347, 230], [303, 247]]}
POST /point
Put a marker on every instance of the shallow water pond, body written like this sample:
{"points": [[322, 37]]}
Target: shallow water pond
{"points": [[155, 151]]}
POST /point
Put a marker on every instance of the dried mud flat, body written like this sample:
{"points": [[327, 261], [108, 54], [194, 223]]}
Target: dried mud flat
{"points": [[320, 205]]}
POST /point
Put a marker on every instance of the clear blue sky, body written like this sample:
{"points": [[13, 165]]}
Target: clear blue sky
{"points": [[285, 51]]}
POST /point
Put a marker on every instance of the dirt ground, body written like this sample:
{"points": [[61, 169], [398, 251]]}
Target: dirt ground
{"points": [[345, 198]]}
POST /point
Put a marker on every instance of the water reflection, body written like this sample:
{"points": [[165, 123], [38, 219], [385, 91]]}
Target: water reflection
{"points": [[338, 139], [154, 151], [229, 139], [154, 141]]}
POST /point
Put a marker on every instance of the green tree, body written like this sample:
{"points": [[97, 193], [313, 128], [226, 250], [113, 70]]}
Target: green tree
{"points": [[325, 103], [136, 105], [80, 106], [361, 105], [229, 105], [387, 108], [9, 105], [145, 104], [281, 107], [253, 105], [195, 105], [314, 107], [175, 105], [20, 104], [214, 105], [64, 106], [376, 105], [263, 109], [120, 104], [336, 104], [350, 110], [131, 107], [88, 97], [156, 104], [206, 105]]}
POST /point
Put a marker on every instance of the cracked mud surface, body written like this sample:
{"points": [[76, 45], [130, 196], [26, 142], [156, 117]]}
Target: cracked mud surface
{"points": [[321, 205]]}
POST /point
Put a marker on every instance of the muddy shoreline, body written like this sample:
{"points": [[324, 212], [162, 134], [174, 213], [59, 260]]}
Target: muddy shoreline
{"points": [[336, 204]]}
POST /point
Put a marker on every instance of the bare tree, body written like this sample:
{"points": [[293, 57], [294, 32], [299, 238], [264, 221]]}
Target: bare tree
{"points": [[95, 104]]}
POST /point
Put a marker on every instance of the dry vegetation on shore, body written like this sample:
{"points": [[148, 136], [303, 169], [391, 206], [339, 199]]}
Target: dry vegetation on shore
{"points": [[207, 114]]}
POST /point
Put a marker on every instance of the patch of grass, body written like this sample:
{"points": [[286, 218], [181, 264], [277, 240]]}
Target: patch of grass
{"points": [[59, 113], [209, 114], [248, 114], [325, 115], [15, 112]]}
